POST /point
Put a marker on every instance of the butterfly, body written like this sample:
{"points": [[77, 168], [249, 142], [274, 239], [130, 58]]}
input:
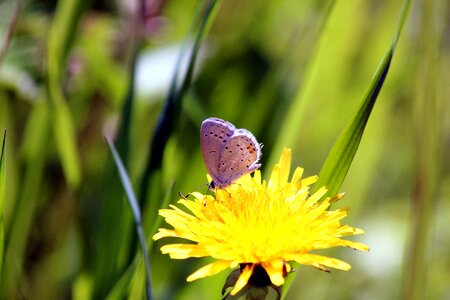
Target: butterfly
{"points": [[228, 152]]}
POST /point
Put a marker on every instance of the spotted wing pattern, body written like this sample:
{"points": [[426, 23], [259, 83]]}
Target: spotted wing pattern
{"points": [[228, 152], [240, 156], [214, 134]]}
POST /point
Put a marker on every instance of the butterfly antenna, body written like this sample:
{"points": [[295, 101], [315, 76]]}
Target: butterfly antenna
{"points": [[188, 194], [183, 196]]}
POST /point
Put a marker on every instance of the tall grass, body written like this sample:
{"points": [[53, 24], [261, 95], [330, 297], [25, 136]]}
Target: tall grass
{"points": [[291, 72]]}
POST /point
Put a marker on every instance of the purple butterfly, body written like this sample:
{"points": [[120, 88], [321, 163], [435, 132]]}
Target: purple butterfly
{"points": [[228, 152]]}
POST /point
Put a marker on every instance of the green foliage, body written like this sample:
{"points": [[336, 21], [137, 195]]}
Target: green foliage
{"points": [[61, 34], [134, 205], [340, 158], [292, 72], [2, 196], [338, 162]]}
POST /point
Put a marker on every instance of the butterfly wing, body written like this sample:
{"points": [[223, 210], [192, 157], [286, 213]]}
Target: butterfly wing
{"points": [[214, 134], [240, 155]]}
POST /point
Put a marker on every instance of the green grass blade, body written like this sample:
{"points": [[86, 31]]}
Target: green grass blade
{"points": [[123, 284], [135, 44], [35, 152], [292, 125], [2, 197], [339, 159], [136, 283], [341, 155], [61, 33], [171, 111], [123, 139], [109, 266], [428, 159], [128, 188]]}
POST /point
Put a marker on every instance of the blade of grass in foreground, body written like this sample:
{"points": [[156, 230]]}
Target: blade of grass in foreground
{"points": [[339, 159], [128, 188], [116, 244], [134, 41], [134, 269], [137, 282], [2, 197]]}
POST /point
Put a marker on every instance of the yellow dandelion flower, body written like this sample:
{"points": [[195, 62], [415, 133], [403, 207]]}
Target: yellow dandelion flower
{"points": [[255, 224]]}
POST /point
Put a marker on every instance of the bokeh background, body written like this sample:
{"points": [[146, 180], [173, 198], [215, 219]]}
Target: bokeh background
{"points": [[278, 68]]}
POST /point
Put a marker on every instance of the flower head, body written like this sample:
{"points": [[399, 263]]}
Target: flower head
{"points": [[254, 224]]}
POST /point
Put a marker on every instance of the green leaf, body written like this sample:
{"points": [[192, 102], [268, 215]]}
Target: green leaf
{"points": [[2, 197], [128, 188], [134, 48], [134, 268], [339, 159], [338, 162], [35, 151], [428, 160], [289, 132], [60, 36], [82, 287], [121, 286]]}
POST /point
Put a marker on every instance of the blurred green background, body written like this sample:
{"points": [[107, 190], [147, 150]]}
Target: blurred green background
{"points": [[71, 68]]}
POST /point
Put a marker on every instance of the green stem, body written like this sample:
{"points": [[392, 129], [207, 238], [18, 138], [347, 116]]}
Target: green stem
{"points": [[427, 158]]}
